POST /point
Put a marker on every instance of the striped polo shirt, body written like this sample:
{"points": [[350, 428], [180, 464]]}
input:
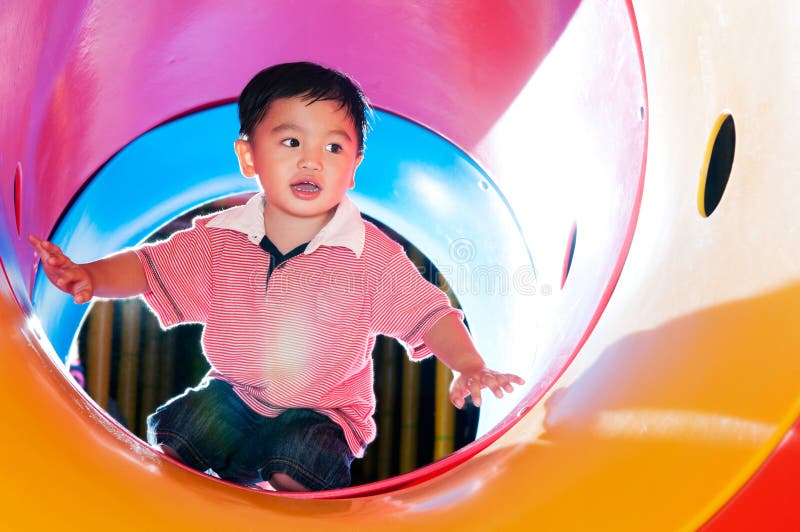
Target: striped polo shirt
{"points": [[294, 331]]}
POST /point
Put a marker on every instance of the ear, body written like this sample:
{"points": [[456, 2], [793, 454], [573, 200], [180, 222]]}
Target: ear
{"points": [[353, 177], [244, 152]]}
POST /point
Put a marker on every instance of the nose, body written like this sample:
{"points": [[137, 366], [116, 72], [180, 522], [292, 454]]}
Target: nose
{"points": [[309, 160]]}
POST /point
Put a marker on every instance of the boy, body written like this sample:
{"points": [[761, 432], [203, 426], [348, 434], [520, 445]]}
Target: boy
{"points": [[292, 288]]}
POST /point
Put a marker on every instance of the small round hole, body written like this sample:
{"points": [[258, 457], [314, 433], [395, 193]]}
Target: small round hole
{"points": [[573, 238], [717, 164], [18, 196]]}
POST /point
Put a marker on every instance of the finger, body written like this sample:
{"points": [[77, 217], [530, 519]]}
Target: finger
{"points": [[474, 386], [505, 383], [459, 392], [82, 296], [56, 260], [64, 277], [493, 383], [50, 247], [39, 245], [82, 291], [511, 378], [72, 280], [60, 261], [54, 253], [457, 397], [515, 379]]}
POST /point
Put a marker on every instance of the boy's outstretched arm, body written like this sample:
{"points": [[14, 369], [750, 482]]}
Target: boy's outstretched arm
{"points": [[115, 276], [450, 341]]}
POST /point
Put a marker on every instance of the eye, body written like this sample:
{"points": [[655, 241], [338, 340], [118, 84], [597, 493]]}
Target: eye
{"points": [[333, 148], [291, 142]]}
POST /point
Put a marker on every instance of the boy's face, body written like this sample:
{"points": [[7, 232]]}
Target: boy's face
{"points": [[304, 155]]}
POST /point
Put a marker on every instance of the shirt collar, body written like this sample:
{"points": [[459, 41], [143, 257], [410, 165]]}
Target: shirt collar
{"points": [[345, 229]]}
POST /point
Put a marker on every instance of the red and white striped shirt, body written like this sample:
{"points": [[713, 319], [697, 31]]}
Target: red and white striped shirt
{"points": [[303, 337]]}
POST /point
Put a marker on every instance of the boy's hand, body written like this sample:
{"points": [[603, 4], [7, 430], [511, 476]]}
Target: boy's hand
{"points": [[471, 383], [72, 278]]}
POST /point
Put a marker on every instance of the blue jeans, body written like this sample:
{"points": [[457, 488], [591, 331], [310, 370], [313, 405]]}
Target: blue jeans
{"points": [[210, 427]]}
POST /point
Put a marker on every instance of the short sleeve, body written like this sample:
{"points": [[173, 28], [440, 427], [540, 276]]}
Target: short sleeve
{"points": [[405, 305], [178, 272]]}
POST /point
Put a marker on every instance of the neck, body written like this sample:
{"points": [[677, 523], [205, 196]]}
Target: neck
{"points": [[287, 232]]}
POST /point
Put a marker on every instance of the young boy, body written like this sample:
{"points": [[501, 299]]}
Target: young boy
{"points": [[292, 288]]}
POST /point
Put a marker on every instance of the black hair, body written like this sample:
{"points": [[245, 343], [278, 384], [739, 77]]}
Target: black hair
{"points": [[308, 80]]}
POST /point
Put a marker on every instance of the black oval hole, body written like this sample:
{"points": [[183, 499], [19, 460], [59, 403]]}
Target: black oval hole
{"points": [[719, 161]]}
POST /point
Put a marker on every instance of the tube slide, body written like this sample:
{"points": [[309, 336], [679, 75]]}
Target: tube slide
{"points": [[555, 159]]}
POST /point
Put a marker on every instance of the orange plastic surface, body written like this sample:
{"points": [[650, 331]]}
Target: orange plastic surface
{"points": [[685, 387]]}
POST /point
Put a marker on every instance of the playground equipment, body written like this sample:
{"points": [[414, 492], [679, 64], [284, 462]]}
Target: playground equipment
{"points": [[663, 374]]}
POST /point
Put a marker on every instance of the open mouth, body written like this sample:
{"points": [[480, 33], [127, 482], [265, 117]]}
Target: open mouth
{"points": [[306, 186]]}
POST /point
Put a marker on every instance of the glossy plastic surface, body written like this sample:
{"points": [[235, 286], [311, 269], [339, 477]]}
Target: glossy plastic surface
{"points": [[686, 380]]}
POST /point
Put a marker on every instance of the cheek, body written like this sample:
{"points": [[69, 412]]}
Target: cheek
{"points": [[351, 167], [267, 161]]}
